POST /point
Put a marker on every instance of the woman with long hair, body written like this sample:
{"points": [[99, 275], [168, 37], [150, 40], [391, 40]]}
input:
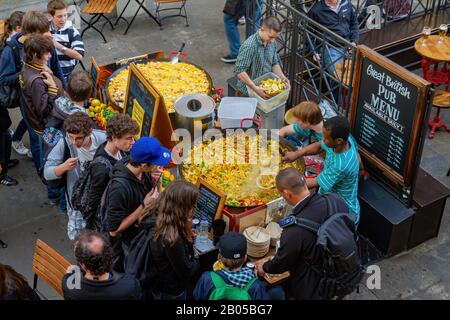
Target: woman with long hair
{"points": [[172, 244]]}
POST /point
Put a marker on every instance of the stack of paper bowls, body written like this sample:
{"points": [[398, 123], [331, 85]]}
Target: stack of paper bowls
{"points": [[258, 241], [274, 230]]}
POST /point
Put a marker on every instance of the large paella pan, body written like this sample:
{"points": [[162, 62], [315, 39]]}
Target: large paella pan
{"points": [[242, 165], [172, 81]]}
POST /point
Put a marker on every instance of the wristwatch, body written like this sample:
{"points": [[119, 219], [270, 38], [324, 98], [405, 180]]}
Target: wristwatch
{"points": [[63, 49]]}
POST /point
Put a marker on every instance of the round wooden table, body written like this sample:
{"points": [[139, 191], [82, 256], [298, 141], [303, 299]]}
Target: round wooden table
{"points": [[433, 50]]}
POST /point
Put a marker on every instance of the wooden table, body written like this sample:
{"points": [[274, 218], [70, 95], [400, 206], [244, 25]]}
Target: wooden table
{"points": [[433, 50]]}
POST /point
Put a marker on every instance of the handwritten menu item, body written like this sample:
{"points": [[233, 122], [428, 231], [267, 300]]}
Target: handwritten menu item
{"points": [[141, 102], [210, 201], [387, 113]]}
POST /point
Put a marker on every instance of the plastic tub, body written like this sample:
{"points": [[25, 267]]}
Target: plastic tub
{"points": [[272, 102], [233, 109]]}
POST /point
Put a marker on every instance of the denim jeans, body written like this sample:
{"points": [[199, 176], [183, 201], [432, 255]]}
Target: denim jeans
{"points": [[251, 29], [232, 32], [331, 57], [231, 29], [276, 293], [34, 139], [20, 131]]}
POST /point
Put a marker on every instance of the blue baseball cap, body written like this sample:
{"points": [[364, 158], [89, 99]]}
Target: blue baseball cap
{"points": [[148, 150]]}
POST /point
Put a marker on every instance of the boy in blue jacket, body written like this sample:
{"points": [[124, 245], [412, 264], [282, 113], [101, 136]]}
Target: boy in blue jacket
{"points": [[233, 255]]}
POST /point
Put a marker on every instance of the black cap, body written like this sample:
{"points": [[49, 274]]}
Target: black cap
{"points": [[233, 245]]}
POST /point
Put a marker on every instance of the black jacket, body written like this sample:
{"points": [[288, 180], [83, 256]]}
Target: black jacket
{"points": [[233, 7], [118, 287], [176, 265], [298, 248], [344, 23], [124, 197], [100, 176]]}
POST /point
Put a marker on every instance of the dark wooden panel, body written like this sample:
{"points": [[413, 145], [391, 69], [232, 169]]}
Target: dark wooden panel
{"points": [[428, 190], [403, 29]]}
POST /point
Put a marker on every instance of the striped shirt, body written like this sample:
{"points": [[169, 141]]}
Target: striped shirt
{"points": [[340, 175], [255, 59], [70, 38], [306, 133]]}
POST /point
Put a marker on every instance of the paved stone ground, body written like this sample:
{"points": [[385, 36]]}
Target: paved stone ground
{"points": [[422, 273]]}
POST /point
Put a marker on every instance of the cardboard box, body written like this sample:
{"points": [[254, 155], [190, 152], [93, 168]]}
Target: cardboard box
{"points": [[240, 221]]}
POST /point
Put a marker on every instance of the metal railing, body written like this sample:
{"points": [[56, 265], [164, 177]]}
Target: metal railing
{"points": [[326, 81], [390, 10]]}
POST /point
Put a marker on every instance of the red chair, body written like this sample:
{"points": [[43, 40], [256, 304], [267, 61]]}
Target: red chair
{"points": [[432, 73], [441, 100]]}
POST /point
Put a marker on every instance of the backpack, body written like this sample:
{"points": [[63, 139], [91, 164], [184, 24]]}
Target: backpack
{"points": [[10, 94], [139, 262], [341, 270], [62, 181], [224, 291], [100, 221], [82, 186]]}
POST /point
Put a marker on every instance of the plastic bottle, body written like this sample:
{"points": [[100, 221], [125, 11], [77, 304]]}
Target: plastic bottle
{"points": [[203, 229]]}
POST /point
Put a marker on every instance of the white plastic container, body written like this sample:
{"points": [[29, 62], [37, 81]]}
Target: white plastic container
{"points": [[233, 109], [271, 103]]}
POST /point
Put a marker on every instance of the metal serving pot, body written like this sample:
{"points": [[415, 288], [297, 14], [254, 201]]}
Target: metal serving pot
{"points": [[194, 110]]}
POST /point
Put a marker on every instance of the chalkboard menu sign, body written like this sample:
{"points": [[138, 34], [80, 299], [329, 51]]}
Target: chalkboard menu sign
{"points": [[210, 201], [141, 102], [388, 109]]}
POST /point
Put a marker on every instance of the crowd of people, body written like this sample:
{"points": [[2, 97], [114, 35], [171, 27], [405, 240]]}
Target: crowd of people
{"points": [[131, 239]]}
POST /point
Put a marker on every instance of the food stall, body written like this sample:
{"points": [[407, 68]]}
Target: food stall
{"points": [[236, 172]]}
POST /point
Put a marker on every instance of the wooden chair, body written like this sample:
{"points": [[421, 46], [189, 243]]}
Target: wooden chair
{"points": [[342, 73], [441, 100], [98, 9], [180, 9], [2, 27], [49, 265]]}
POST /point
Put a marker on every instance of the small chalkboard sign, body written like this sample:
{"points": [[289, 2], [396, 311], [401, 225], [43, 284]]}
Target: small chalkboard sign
{"points": [[210, 201], [387, 112], [141, 102]]}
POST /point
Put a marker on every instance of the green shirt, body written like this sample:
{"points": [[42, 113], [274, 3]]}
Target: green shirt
{"points": [[306, 133], [255, 59], [340, 175]]}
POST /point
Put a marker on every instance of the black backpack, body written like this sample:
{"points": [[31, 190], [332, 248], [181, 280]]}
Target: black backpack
{"points": [[139, 262], [337, 238], [10, 94], [100, 221], [82, 186]]}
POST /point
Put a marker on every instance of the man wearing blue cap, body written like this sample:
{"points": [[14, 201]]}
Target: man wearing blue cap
{"points": [[130, 190]]}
